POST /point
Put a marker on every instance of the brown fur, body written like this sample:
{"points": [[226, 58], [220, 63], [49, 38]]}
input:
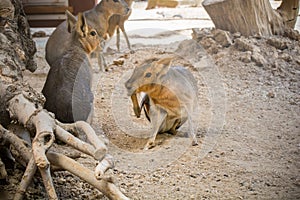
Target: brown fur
{"points": [[165, 105], [116, 22], [68, 85], [97, 17]]}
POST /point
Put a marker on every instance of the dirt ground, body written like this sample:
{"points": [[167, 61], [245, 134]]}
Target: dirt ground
{"points": [[247, 122]]}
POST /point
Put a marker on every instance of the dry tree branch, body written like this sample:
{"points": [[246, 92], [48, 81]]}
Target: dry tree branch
{"points": [[104, 165], [106, 186], [84, 128], [26, 179], [43, 122]]}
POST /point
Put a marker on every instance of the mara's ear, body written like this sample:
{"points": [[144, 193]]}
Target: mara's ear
{"points": [[71, 20], [81, 25], [162, 66]]}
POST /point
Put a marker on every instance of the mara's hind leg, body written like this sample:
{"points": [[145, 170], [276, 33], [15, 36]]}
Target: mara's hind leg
{"points": [[176, 125], [158, 117]]}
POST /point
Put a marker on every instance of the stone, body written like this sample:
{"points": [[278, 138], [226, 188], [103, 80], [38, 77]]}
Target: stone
{"points": [[277, 43], [207, 42], [243, 44], [199, 34], [222, 37], [246, 57], [271, 95], [236, 35], [258, 59]]}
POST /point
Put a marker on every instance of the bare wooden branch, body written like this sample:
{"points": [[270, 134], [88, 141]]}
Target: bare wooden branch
{"points": [[26, 179], [44, 125], [73, 141], [104, 165], [19, 102], [47, 179], [16, 142], [63, 162], [105, 186], [84, 128], [40, 146]]}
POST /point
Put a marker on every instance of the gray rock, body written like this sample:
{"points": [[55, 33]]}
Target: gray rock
{"points": [[246, 57], [236, 35], [258, 59], [277, 43], [222, 37], [199, 34], [207, 43], [243, 44]]}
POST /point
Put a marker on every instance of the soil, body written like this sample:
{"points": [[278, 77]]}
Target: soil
{"points": [[247, 122]]}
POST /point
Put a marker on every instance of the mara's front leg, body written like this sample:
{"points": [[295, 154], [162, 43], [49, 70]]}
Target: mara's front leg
{"points": [[157, 116], [100, 56]]}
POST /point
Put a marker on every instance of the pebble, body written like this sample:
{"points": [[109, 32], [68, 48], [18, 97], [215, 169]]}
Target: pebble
{"points": [[243, 44], [258, 59], [207, 42], [246, 57], [271, 95], [277, 43], [222, 37], [61, 181]]}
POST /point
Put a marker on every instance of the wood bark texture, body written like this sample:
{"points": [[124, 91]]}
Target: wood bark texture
{"points": [[252, 17], [289, 10]]}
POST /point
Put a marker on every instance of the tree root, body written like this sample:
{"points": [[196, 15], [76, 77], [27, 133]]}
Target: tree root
{"points": [[47, 129]]}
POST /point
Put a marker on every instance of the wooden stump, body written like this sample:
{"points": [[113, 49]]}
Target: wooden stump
{"points": [[289, 10], [251, 17]]}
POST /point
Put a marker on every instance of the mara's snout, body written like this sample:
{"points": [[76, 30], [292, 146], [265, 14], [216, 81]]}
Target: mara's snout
{"points": [[128, 86]]}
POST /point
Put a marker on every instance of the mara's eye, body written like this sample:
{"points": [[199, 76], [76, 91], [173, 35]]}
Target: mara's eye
{"points": [[147, 75], [116, 1], [93, 33]]}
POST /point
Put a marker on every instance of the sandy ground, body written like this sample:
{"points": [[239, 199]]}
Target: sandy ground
{"points": [[247, 119]]}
